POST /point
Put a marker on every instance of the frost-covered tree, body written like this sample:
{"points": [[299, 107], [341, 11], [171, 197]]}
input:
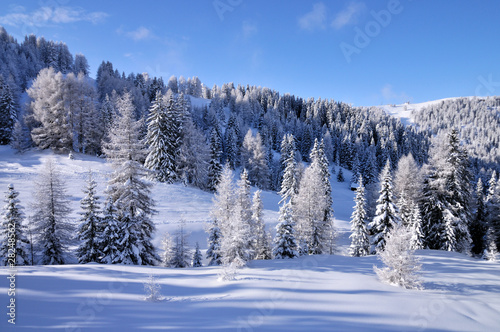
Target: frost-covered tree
{"points": [[129, 192], [262, 244], [81, 65], [197, 258], [446, 196], [194, 156], [401, 266], [214, 241], [214, 166], [289, 182], [237, 237], [285, 245], [417, 239], [167, 245], [181, 256], [157, 158], [47, 105], [152, 289], [386, 215], [53, 228], [8, 113], [491, 251], [14, 244], [109, 239], [309, 210], [253, 158], [360, 240], [89, 231]]}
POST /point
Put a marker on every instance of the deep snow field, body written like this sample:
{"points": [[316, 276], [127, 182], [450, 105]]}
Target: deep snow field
{"points": [[314, 293]]}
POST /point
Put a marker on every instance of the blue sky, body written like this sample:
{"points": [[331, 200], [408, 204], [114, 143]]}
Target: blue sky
{"points": [[359, 52]]}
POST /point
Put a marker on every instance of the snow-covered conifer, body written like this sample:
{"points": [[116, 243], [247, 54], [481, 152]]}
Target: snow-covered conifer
{"points": [[285, 245], [129, 192], [109, 239], [479, 224], [50, 215], [181, 253], [14, 243], [157, 158], [89, 231], [196, 261], [417, 234], [262, 244], [289, 182], [214, 166], [360, 240], [214, 240], [386, 215], [401, 266]]}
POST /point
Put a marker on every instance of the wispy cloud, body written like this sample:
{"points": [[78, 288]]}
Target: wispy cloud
{"points": [[140, 33], [315, 19], [249, 29], [390, 96], [45, 16], [348, 15]]}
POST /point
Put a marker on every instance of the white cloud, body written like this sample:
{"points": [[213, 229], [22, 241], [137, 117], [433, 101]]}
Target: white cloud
{"points": [[44, 16], [315, 19], [348, 15], [249, 29], [391, 96], [140, 33]]}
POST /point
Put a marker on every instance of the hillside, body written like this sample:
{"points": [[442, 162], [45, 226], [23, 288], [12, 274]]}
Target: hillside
{"points": [[316, 292]]}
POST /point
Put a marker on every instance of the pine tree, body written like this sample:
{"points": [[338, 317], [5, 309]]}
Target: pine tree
{"points": [[14, 244], [196, 262], [214, 166], [402, 267], [386, 215], [289, 182], [340, 175], [479, 224], [491, 251], [109, 239], [130, 194], [51, 210], [173, 129], [284, 241], [262, 244], [158, 159], [309, 210], [214, 240], [417, 234], [89, 231], [181, 253], [360, 241], [8, 113]]}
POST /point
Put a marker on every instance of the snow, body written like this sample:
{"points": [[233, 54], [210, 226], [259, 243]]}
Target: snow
{"points": [[309, 293], [405, 111]]}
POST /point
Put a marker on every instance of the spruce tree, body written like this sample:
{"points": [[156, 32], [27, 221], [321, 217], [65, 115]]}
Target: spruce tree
{"points": [[89, 231], [262, 244], [285, 245], [109, 239], [50, 215], [14, 244], [8, 113], [157, 158], [214, 240], [360, 240], [214, 166], [386, 215], [340, 175], [129, 192], [289, 182], [181, 254], [196, 262], [417, 235]]}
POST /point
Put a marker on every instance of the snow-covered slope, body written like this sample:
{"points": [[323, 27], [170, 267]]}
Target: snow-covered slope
{"points": [[316, 293], [311, 293]]}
